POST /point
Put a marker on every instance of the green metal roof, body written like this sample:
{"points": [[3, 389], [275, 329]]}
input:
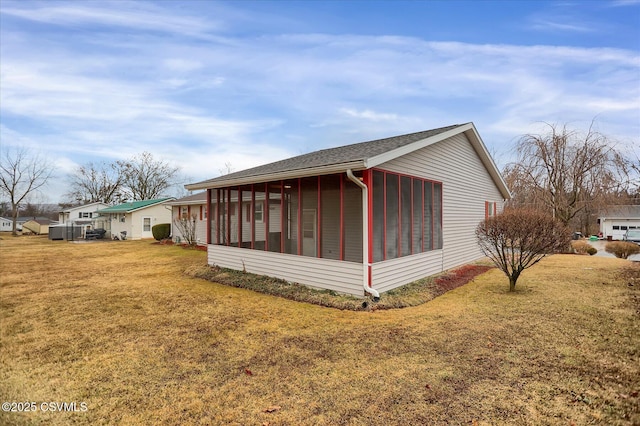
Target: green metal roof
{"points": [[132, 206]]}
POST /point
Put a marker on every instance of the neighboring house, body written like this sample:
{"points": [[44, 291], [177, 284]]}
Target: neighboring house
{"points": [[191, 207], [81, 214], [137, 218], [615, 221], [6, 225], [38, 226], [21, 220], [367, 217], [85, 216]]}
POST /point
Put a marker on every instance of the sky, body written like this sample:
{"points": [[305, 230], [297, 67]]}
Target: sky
{"points": [[212, 85]]}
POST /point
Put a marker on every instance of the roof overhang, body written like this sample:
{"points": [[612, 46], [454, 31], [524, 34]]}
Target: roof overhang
{"points": [[468, 129], [289, 174]]}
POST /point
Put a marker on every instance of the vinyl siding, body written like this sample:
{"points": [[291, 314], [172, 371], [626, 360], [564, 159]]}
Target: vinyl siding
{"points": [[201, 225], [159, 213], [343, 277], [466, 186], [394, 273]]}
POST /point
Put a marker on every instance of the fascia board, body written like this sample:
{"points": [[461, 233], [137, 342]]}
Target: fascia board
{"points": [[151, 205], [476, 141], [187, 203], [269, 177]]}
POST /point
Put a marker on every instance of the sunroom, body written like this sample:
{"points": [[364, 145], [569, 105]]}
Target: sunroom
{"points": [[357, 219]]}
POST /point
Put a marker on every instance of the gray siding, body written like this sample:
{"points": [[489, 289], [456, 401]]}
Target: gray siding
{"points": [[343, 277], [466, 186]]}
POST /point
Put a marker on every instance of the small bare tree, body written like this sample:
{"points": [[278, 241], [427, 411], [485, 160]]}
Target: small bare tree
{"points": [[22, 173], [187, 225], [518, 239]]}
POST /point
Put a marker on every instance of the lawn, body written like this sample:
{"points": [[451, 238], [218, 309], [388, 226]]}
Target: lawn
{"points": [[120, 329]]}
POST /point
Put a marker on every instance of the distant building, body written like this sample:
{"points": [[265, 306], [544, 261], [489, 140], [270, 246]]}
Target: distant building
{"points": [[616, 220], [135, 219]]}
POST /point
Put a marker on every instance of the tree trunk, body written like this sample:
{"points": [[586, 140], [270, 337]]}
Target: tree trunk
{"points": [[14, 217]]}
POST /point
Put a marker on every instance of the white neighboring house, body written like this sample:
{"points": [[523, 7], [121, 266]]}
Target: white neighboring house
{"points": [[85, 216], [6, 224], [361, 218], [191, 206], [615, 221], [137, 218]]}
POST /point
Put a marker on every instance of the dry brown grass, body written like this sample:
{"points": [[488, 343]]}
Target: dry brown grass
{"points": [[119, 326]]}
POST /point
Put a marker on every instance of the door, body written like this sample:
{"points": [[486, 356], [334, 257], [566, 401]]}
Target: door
{"points": [[146, 228], [309, 232]]}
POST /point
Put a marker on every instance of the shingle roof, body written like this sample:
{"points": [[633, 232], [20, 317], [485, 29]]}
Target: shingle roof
{"points": [[343, 154], [621, 212], [199, 198], [134, 205]]}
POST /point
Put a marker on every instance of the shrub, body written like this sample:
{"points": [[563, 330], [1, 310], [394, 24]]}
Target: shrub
{"points": [[581, 247], [161, 231], [518, 239], [592, 251], [622, 249]]}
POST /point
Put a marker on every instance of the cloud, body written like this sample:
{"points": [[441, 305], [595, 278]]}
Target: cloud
{"points": [[128, 14], [545, 24], [249, 99]]}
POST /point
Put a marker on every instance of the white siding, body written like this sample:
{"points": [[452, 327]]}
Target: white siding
{"points": [[201, 225], [621, 225], [159, 213], [343, 277], [466, 186], [394, 273]]}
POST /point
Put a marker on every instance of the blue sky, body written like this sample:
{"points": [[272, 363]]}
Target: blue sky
{"points": [[201, 83]]}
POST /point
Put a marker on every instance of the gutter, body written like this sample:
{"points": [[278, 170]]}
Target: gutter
{"points": [[365, 236]]}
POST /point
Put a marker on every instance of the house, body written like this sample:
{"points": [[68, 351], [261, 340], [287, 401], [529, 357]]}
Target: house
{"points": [[134, 220], [38, 226], [85, 217], [192, 207], [81, 215], [367, 217], [6, 225], [615, 221]]}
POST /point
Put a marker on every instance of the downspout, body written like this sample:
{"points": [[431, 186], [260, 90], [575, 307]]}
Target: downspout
{"points": [[365, 236]]}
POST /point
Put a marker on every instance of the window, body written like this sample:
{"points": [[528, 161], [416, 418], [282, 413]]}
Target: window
{"points": [[258, 215], [184, 212], [146, 224], [490, 209]]}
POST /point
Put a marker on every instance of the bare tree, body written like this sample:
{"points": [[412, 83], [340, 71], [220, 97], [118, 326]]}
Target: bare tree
{"points": [[145, 178], [22, 173], [100, 182], [187, 225], [566, 173], [228, 168], [518, 239]]}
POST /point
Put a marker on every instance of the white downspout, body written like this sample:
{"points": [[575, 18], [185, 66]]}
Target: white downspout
{"points": [[365, 236]]}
